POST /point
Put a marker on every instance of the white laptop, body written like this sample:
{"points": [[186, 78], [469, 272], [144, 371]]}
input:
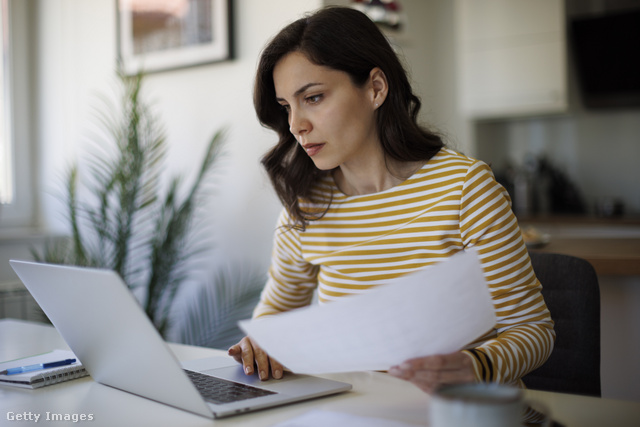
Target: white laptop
{"points": [[107, 329]]}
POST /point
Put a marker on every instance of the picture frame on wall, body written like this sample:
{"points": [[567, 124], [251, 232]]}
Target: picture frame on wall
{"points": [[163, 35]]}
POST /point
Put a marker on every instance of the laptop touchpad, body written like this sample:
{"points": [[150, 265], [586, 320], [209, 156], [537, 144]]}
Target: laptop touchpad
{"points": [[236, 374]]}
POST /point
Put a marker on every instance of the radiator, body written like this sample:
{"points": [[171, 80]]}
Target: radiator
{"points": [[16, 302]]}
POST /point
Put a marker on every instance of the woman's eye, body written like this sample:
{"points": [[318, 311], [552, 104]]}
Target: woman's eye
{"points": [[314, 99], [285, 108]]}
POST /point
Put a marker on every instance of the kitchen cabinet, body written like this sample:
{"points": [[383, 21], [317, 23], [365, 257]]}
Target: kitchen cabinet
{"points": [[512, 58]]}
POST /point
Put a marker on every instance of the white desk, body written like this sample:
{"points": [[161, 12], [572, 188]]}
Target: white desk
{"points": [[374, 394]]}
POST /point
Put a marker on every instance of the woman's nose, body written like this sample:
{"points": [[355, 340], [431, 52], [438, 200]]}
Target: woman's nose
{"points": [[298, 124]]}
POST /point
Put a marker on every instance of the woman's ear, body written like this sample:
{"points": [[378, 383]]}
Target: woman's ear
{"points": [[379, 87]]}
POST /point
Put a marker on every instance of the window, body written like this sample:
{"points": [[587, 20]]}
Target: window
{"points": [[6, 153], [18, 194]]}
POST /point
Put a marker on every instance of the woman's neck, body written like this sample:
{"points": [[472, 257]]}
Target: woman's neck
{"points": [[374, 177]]}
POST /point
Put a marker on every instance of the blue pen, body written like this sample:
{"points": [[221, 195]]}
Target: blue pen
{"points": [[37, 367]]}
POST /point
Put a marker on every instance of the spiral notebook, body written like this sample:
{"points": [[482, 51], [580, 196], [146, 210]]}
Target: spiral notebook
{"points": [[44, 377]]}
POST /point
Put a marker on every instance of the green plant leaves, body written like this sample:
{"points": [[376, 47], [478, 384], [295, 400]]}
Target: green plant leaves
{"points": [[125, 223]]}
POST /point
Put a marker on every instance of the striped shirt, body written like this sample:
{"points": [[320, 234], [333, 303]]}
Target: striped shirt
{"points": [[450, 204]]}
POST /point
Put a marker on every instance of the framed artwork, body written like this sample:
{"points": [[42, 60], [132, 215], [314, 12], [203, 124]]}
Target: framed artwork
{"points": [[157, 35]]}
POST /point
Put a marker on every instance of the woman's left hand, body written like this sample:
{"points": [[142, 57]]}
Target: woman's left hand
{"points": [[431, 372]]}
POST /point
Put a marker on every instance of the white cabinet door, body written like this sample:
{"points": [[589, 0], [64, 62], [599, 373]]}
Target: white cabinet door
{"points": [[512, 57]]}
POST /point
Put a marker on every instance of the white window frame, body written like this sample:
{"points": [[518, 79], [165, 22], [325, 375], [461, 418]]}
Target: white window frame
{"points": [[19, 214], [6, 147]]}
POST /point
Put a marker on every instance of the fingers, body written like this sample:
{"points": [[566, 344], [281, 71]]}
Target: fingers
{"points": [[235, 351], [262, 361], [277, 370], [246, 355], [429, 381], [429, 373], [439, 362], [252, 356], [243, 353]]}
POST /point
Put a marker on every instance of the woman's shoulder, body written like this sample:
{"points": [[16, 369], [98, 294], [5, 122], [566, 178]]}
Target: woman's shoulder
{"points": [[451, 160], [447, 154]]}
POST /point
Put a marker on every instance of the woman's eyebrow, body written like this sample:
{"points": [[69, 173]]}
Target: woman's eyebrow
{"points": [[299, 91]]}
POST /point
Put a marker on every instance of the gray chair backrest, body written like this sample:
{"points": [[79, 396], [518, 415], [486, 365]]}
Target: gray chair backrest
{"points": [[571, 291]]}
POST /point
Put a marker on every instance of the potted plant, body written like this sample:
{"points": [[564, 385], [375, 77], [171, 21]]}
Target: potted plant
{"points": [[126, 223]]}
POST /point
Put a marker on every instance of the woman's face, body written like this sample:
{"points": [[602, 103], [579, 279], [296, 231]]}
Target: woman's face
{"points": [[331, 118]]}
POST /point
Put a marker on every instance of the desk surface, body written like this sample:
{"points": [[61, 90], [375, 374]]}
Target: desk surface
{"points": [[374, 394]]}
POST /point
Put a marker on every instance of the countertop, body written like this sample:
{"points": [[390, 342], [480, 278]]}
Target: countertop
{"points": [[611, 245]]}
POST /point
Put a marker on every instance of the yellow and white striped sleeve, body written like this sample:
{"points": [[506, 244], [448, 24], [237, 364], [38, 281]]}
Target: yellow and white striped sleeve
{"points": [[291, 280], [523, 337]]}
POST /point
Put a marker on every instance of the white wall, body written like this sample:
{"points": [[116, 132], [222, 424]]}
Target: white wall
{"points": [[73, 55], [426, 42], [77, 54], [76, 58]]}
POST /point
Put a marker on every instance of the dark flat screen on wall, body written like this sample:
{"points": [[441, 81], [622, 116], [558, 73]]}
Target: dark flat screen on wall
{"points": [[606, 51]]}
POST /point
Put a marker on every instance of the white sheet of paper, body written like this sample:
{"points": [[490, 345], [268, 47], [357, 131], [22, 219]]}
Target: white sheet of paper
{"points": [[319, 418], [436, 310]]}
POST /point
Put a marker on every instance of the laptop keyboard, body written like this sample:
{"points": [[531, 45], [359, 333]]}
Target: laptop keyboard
{"points": [[219, 391]]}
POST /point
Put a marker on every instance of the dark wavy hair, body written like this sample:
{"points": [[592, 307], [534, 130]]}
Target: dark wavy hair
{"points": [[343, 39]]}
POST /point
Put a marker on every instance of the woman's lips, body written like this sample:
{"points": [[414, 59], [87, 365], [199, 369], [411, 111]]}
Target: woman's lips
{"points": [[312, 149]]}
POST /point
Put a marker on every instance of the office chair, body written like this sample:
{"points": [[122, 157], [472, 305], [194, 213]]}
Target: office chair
{"points": [[571, 291]]}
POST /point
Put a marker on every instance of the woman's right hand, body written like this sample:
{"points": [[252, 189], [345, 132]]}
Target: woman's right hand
{"points": [[251, 355]]}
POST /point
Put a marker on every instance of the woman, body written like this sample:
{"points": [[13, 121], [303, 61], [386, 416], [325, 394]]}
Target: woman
{"points": [[369, 195]]}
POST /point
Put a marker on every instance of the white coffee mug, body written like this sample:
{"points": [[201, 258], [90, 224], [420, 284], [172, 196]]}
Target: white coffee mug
{"points": [[476, 405]]}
